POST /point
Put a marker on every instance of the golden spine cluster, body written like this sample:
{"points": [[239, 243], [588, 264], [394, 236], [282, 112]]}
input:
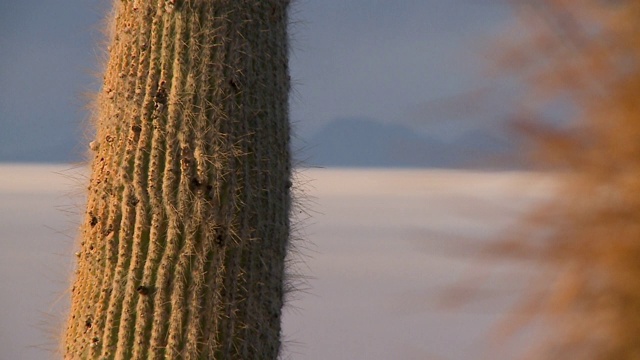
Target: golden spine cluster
{"points": [[187, 224]]}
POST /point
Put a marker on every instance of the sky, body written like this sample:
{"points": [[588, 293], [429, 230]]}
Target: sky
{"points": [[384, 60]]}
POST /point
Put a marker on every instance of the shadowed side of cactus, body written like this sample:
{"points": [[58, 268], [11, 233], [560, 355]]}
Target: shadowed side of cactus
{"points": [[187, 221]]}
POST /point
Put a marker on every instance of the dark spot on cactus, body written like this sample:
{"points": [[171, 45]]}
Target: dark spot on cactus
{"points": [[219, 239], [94, 221], [95, 341], [136, 128], [133, 201], [234, 84], [142, 290], [161, 97], [208, 193], [184, 164], [109, 138], [91, 247], [195, 182], [88, 323], [185, 158]]}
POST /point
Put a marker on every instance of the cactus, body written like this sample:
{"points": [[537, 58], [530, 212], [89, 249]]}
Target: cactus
{"points": [[183, 245]]}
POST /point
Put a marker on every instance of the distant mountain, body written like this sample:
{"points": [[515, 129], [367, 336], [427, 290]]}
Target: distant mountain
{"points": [[352, 142], [368, 143]]}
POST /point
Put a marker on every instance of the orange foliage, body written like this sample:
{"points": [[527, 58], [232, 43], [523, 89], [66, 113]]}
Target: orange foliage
{"points": [[587, 53]]}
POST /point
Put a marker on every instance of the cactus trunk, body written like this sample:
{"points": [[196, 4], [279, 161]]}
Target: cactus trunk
{"points": [[187, 222]]}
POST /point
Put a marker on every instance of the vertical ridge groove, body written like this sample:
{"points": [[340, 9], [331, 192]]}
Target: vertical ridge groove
{"points": [[119, 312], [186, 249], [147, 79], [144, 308], [171, 195]]}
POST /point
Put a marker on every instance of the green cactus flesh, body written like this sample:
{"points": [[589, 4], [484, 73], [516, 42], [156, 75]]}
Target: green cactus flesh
{"points": [[187, 223]]}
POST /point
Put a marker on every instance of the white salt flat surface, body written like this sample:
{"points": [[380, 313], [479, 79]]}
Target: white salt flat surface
{"points": [[382, 249]]}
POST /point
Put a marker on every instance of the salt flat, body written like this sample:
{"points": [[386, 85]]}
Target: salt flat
{"points": [[381, 249]]}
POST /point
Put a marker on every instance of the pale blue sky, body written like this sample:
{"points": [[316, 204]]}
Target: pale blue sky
{"points": [[385, 60]]}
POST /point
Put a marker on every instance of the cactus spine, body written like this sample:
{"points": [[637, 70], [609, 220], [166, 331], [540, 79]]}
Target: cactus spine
{"points": [[187, 222]]}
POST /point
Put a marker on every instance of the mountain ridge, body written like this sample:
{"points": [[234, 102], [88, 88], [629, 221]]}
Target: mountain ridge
{"points": [[364, 142]]}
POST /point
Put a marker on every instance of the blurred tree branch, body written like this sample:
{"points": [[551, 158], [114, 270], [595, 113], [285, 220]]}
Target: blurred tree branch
{"points": [[586, 55]]}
